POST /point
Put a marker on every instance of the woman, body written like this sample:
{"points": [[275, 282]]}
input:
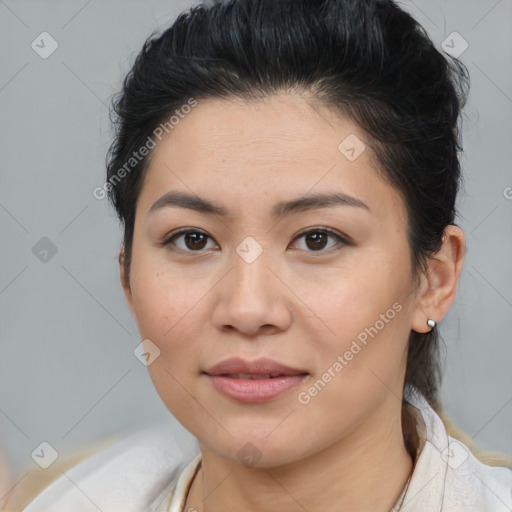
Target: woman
{"points": [[286, 174]]}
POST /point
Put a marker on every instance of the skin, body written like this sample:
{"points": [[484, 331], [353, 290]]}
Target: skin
{"points": [[300, 302]]}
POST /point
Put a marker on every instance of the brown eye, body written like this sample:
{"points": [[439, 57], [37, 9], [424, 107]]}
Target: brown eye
{"points": [[195, 240], [192, 240], [316, 240]]}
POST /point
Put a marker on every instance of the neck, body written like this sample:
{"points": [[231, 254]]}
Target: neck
{"points": [[363, 472]]}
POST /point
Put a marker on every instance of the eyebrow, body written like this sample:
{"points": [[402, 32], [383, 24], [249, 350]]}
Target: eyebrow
{"points": [[301, 204]]}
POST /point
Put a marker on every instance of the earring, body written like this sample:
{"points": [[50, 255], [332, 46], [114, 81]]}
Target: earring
{"points": [[431, 323]]}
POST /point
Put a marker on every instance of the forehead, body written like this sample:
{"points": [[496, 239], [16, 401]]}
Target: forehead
{"points": [[280, 125], [280, 146]]}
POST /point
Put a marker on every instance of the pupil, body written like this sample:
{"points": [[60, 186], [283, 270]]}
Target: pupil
{"points": [[193, 237], [317, 236]]}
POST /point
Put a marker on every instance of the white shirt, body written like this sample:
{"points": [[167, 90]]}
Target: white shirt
{"points": [[151, 471]]}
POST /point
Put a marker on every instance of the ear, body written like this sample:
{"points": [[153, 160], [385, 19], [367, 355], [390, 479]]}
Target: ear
{"points": [[125, 282], [439, 284]]}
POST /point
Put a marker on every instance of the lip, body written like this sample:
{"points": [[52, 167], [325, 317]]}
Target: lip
{"points": [[221, 375], [262, 366], [254, 391]]}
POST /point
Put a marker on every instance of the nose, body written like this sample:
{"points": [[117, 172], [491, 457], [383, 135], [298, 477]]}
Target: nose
{"points": [[254, 298]]}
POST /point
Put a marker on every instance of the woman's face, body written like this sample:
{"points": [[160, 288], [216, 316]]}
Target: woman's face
{"points": [[324, 288]]}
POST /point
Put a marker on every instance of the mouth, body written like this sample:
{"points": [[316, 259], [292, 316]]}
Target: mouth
{"points": [[253, 382]]}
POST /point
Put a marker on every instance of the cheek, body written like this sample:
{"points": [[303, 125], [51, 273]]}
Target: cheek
{"points": [[364, 320], [350, 298], [169, 313], [164, 301]]}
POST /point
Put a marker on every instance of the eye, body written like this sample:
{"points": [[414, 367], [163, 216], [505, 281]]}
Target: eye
{"points": [[315, 239], [193, 240]]}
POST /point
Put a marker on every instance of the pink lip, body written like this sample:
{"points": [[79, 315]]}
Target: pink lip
{"points": [[221, 375], [254, 390]]}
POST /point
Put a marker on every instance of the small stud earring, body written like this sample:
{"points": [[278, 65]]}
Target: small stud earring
{"points": [[431, 323]]}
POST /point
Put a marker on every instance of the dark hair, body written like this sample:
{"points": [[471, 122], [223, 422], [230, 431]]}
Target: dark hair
{"points": [[366, 59]]}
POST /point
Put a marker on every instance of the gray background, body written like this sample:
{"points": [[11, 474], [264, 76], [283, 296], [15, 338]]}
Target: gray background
{"points": [[68, 374]]}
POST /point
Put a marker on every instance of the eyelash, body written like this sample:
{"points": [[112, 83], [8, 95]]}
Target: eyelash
{"points": [[341, 239]]}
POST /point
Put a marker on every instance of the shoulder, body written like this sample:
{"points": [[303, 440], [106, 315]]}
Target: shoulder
{"points": [[33, 479], [125, 476], [471, 483], [448, 477]]}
